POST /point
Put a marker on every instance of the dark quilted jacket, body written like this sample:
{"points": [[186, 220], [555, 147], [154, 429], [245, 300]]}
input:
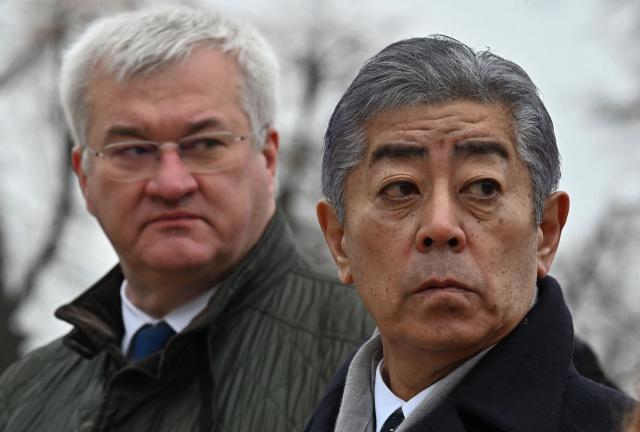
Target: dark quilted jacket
{"points": [[258, 359]]}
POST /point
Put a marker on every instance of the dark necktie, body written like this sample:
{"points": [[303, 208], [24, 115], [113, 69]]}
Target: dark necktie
{"points": [[393, 421], [149, 339]]}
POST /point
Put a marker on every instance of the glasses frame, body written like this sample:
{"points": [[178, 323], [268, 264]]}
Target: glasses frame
{"points": [[166, 144]]}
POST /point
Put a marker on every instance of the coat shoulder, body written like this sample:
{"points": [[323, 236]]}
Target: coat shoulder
{"points": [[590, 406], [45, 374], [50, 359], [318, 304]]}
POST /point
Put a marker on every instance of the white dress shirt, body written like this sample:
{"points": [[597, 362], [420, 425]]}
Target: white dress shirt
{"points": [[179, 318], [386, 402]]}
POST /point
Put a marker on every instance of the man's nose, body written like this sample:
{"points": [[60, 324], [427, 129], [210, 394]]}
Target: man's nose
{"points": [[440, 226], [172, 179]]}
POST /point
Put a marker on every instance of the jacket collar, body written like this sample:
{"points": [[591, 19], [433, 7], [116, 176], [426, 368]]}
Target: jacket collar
{"points": [[96, 314], [522, 377], [517, 386]]}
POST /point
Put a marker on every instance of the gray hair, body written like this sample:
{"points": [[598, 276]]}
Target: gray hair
{"points": [[435, 70], [138, 43]]}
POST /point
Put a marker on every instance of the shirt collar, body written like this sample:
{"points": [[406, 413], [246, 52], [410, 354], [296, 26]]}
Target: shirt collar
{"points": [[386, 402], [179, 318]]}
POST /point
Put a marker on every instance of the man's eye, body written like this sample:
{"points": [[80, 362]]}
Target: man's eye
{"points": [[202, 143], [128, 151], [400, 190], [484, 189], [203, 147]]}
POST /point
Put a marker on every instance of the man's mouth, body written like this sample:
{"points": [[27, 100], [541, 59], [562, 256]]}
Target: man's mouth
{"points": [[173, 216], [447, 284]]}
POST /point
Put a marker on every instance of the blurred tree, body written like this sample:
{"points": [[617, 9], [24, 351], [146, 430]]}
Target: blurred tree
{"points": [[600, 284], [600, 277], [622, 22], [33, 34], [321, 52]]}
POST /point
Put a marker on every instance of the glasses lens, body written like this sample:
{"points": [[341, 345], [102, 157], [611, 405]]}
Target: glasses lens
{"points": [[131, 160], [205, 153], [208, 152]]}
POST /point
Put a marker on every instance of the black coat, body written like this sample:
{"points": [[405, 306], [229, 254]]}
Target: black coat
{"points": [[526, 383]]}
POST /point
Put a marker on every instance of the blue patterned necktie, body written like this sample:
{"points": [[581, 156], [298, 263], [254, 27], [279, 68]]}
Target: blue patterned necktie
{"points": [[149, 339], [393, 421]]}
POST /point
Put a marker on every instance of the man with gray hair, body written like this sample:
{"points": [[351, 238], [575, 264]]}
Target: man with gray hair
{"points": [[439, 174], [211, 320]]}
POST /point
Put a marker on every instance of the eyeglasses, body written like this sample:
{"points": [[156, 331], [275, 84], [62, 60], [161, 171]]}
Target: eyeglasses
{"points": [[203, 153]]}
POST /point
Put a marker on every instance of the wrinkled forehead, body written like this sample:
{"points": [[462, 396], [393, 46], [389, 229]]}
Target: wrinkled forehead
{"points": [[456, 127], [203, 86]]}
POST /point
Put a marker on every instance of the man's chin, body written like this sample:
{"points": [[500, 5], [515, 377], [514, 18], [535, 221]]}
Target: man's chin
{"points": [[177, 257], [453, 335]]}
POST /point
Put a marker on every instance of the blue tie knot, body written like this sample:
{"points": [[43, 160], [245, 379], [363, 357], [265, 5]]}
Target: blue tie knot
{"points": [[149, 339]]}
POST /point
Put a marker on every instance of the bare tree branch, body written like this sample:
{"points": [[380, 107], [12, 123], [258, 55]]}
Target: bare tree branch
{"points": [[9, 339], [302, 144], [59, 219], [25, 59]]}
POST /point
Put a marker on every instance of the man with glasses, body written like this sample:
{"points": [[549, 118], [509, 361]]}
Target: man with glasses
{"points": [[211, 320]]}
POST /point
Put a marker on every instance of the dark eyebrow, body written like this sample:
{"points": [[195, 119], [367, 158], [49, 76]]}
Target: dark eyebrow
{"points": [[125, 131], [203, 124], [472, 148], [133, 132], [397, 151]]}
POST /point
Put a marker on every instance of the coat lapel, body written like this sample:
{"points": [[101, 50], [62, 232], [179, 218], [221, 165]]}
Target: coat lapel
{"points": [[519, 384]]}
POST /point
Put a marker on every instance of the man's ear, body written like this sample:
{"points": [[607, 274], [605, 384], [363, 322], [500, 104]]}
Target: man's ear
{"points": [[270, 150], [79, 169], [556, 210], [334, 236]]}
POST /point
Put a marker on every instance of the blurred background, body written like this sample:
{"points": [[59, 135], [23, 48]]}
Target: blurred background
{"points": [[584, 56]]}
